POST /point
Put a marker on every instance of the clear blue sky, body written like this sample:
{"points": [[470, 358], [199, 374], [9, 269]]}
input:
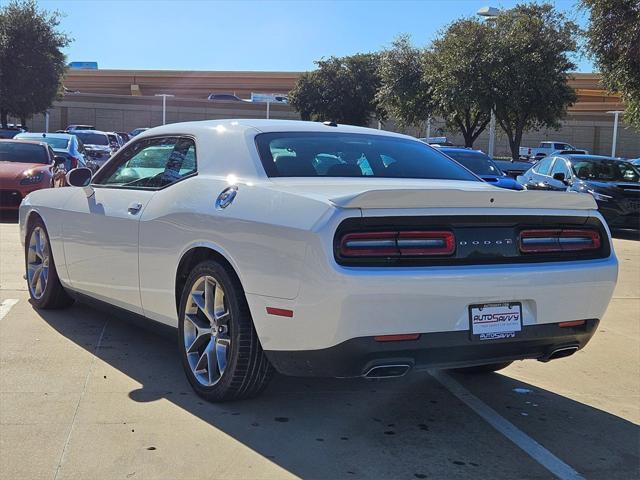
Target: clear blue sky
{"points": [[253, 35]]}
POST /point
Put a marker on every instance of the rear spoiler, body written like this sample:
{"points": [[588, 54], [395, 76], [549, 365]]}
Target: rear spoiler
{"points": [[452, 198]]}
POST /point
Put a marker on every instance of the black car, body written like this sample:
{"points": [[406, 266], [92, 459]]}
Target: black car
{"points": [[482, 165], [613, 183]]}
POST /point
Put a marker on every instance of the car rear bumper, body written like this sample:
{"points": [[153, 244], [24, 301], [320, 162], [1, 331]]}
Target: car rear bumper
{"points": [[361, 356], [336, 304]]}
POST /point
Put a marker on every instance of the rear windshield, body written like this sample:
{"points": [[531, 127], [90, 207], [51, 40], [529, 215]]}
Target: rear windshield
{"points": [[301, 154], [22, 153], [92, 138], [56, 143], [478, 162]]}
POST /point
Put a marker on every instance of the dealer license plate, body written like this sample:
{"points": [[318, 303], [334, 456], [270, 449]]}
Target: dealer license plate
{"points": [[495, 321]]}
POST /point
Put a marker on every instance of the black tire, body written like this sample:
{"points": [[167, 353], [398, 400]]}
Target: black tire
{"points": [[492, 367], [54, 295], [248, 370]]}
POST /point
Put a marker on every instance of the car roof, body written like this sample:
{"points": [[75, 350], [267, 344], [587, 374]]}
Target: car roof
{"points": [[570, 156], [459, 149], [88, 131], [43, 135], [263, 126], [33, 142]]}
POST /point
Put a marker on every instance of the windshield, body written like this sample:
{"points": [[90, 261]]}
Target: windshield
{"points": [[301, 154], [605, 170], [56, 143], [478, 162], [22, 153], [92, 138]]}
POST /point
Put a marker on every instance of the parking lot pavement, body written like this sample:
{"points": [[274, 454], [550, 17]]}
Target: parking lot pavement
{"points": [[86, 395]]}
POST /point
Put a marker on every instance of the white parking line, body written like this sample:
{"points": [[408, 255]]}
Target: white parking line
{"points": [[6, 306], [532, 448]]}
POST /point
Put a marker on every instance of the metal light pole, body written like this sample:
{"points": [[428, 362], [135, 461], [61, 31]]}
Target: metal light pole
{"points": [[616, 114], [492, 133], [428, 128], [490, 12], [46, 121], [164, 105]]}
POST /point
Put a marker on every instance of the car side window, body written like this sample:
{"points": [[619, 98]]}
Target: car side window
{"points": [[151, 164], [543, 166], [560, 166]]}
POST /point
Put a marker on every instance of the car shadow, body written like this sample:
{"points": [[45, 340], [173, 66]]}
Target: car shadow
{"points": [[403, 428]]}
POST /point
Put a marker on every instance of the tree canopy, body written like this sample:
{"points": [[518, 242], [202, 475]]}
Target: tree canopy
{"points": [[613, 38], [457, 71], [31, 61], [529, 55], [341, 89], [404, 91]]}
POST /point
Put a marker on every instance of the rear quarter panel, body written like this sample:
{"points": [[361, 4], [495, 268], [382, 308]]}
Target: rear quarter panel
{"points": [[263, 234]]}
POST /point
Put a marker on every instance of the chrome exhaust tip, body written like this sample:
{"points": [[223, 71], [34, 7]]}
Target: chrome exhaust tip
{"points": [[388, 371], [560, 353]]}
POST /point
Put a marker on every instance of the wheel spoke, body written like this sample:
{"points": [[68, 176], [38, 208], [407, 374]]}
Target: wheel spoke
{"points": [[35, 276], [222, 346], [203, 362], [210, 289], [202, 333]]}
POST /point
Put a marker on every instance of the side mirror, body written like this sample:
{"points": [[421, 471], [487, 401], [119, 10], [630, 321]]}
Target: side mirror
{"points": [[59, 160], [559, 176], [81, 177]]}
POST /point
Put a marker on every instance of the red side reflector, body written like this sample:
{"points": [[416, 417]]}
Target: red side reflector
{"points": [[397, 338], [281, 312], [574, 323]]}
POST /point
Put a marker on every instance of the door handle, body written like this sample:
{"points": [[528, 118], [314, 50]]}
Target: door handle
{"points": [[134, 208]]}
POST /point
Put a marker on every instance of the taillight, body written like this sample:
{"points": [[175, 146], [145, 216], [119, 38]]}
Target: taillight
{"points": [[397, 244], [559, 240], [74, 162]]}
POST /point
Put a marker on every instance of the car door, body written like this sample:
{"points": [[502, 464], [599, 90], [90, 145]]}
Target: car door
{"points": [[537, 177], [559, 167], [101, 228]]}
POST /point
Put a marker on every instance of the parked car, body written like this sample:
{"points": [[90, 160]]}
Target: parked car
{"points": [[613, 183], [512, 168], [115, 141], [25, 166], [482, 165], [635, 161], [395, 258], [97, 145], [137, 131], [80, 127], [124, 136], [10, 132], [224, 97], [65, 145], [546, 148]]}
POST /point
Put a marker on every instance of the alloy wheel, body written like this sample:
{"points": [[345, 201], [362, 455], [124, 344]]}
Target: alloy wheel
{"points": [[38, 263], [206, 331]]}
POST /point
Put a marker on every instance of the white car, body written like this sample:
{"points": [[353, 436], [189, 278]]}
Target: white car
{"points": [[396, 257]]}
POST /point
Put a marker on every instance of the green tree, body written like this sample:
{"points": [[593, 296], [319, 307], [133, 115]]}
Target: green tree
{"points": [[613, 38], [341, 89], [529, 54], [31, 61], [404, 91], [458, 70]]}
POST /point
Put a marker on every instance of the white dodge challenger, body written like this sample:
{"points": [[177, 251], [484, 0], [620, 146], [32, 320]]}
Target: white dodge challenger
{"points": [[318, 249]]}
